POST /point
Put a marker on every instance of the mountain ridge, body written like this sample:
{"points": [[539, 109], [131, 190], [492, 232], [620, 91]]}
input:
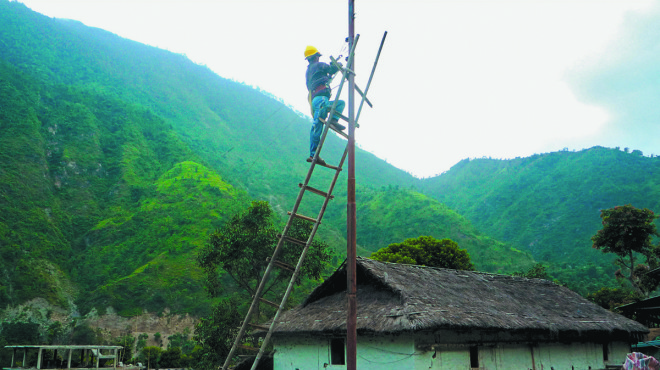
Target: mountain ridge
{"points": [[123, 157]]}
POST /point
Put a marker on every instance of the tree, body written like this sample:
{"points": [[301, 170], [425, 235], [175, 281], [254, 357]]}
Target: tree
{"points": [[426, 251], [142, 341], [158, 339], [243, 246], [84, 334], [626, 232], [241, 249], [150, 356], [215, 334], [171, 358], [535, 272], [127, 342], [611, 298], [182, 341]]}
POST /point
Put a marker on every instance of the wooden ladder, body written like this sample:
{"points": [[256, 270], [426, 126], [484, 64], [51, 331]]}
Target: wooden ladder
{"points": [[283, 237]]}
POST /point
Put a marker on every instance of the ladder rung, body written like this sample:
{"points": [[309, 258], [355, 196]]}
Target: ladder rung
{"points": [[292, 240], [329, 166], [344, 70], [363, 96], [249, 348], [269, 302], [342, 116], [342, 133], [262, 327], [303, 217], [316, 191], [283, 265]]}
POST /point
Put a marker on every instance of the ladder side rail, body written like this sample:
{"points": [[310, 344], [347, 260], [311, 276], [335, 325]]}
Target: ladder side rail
{"points": [[332, 112], [253, 306], [301, 259], [371, 76], [346, 72], [257, 295], [349, 61], [266, 340], [262, 284], [264, 344], [343, 78], [316, 224]]}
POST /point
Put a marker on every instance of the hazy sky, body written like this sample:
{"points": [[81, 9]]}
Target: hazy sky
{"points": [[456, 79]]}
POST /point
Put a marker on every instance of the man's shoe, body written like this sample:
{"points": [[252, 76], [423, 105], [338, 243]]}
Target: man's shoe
{"points": [[336, 125], [318, 161]]}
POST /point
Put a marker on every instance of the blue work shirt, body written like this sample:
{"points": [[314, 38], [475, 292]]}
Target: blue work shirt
{"points": [[319, 74]]}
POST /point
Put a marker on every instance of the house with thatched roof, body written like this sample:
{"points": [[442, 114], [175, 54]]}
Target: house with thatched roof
{"points": [[415, 317]]}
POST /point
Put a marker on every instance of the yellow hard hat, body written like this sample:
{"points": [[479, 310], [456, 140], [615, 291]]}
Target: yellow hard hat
{"points": [[310, 50]]}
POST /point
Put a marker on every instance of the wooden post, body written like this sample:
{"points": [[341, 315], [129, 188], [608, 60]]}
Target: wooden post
{"points": [[39, 359], [24, 354], [68, 366], [13, 353], [351, 319], [98, 356]]}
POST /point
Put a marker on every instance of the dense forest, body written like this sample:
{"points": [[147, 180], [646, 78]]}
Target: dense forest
{"points": [[549, 204], [118, 160]]}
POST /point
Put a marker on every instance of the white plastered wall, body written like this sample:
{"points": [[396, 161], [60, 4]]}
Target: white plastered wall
{"points": [[382, 353], [399, 352]]}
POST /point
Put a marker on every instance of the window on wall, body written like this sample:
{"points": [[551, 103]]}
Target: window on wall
{"points": [[606, 352], [474, 357], [337, 352]]}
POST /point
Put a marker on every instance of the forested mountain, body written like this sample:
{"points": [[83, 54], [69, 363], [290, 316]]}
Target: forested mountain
{"points": [[549, 204], [118, 159]]}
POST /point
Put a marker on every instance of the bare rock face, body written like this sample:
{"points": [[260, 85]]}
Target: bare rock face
{"points": [[110, 324], [113, 325]]}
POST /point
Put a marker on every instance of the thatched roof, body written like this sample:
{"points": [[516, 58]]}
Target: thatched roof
{"points": [[397, 298]]}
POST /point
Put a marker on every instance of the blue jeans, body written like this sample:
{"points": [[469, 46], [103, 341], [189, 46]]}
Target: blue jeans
{"points": [[321, 106]]}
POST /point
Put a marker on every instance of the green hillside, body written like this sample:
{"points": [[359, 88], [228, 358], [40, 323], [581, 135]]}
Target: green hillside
{"points": [[395, 214], [549, 204], [95, 189], [118, 159], [121, 159]]}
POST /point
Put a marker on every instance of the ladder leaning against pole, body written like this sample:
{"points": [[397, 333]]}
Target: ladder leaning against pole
{"points": [[304, 187]]}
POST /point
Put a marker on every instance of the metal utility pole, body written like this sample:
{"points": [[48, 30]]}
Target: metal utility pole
{"points": [[351, 320]]}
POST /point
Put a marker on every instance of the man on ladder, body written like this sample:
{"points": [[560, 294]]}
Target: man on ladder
{"points": [[318, 79]]}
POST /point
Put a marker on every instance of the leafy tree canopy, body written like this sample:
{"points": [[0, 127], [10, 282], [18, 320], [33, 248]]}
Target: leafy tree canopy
{"points": [[215, 334], [171, 358], [611, 298], [627, 230], [426, 251], [150, 356], [242, 247], [537, 271]]}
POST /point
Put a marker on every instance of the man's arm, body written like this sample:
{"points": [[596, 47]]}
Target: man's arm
{"points": [[330, 69]]}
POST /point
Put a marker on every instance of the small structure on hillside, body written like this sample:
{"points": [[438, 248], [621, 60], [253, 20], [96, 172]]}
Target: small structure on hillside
{"points": [[414, 317], [647, 311], [61, 356]]}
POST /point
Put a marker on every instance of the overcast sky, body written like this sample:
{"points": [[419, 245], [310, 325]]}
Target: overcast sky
{"points": [[456, 79]]}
